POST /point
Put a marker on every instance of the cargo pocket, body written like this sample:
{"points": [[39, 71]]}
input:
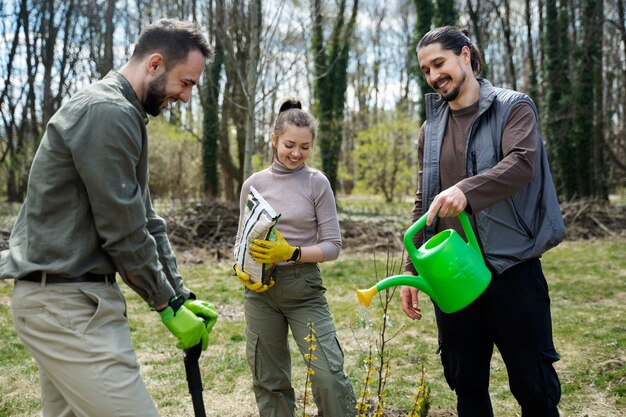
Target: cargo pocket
{"points": [[252, 346], [331, 349], [551, 384], [447, 371]]}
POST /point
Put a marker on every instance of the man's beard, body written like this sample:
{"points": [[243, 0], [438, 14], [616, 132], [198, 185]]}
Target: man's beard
{"points": [[452, 95], [155, 95]]}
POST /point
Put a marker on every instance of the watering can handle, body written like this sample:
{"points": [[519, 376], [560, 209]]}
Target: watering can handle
{"points": [[465, 224]]}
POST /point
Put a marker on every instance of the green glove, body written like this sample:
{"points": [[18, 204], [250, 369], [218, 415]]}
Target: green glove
{"points": [[269, 252], [204, 310], [188, 328], [253, 286]]}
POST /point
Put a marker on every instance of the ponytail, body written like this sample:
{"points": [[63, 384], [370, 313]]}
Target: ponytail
{"points": [[454, 39]]}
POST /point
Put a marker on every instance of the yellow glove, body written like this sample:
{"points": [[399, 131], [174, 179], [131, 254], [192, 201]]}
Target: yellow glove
{"points": [[253, 286], [269, 252]]}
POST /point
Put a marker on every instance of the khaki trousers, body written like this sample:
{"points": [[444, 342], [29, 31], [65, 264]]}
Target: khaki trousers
{"points": [[296, 299], [79, 336]]}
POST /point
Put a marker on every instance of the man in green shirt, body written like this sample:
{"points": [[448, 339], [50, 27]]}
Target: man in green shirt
{"points": [[87, 216]]}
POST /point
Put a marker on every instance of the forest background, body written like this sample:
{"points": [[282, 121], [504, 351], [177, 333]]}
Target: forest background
{"points": [[353, 64]]}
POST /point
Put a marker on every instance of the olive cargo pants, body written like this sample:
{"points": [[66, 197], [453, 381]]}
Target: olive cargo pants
{"points": [[79, 336], [295, 300]]}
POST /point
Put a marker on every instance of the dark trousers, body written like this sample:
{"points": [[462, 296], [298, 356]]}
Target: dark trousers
{"points": [[513, 314]]}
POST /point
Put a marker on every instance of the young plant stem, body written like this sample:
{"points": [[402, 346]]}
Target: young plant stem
{"points": [[309, 358], [363, 405]]}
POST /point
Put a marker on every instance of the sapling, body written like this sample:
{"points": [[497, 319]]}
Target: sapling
{"points": [[309, 358]]}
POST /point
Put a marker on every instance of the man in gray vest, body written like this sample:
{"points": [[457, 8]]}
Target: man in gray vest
{"points": [[87, 216], [480, 151]]}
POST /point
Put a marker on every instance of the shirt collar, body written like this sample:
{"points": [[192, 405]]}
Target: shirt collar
{"points": [[278, 167], [128, 92]]}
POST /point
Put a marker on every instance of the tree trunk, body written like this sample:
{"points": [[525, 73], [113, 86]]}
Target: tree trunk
{"points": [[599, 186], [533, 88], [423, 22], [254, 17], [505, 22], [331, 82], [557, 100], [107, 60], [49, 36], [447, 14], [211, 130], [477, 24]]}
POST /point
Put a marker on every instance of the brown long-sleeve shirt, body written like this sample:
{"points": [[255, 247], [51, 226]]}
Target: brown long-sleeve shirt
{"points": [[511, 174]]}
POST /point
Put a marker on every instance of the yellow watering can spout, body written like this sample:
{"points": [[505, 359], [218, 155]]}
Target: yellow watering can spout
{"points": [[365, 296]]}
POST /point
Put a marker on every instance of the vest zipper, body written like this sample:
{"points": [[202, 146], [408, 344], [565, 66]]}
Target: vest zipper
{"points": [[474, 164]]}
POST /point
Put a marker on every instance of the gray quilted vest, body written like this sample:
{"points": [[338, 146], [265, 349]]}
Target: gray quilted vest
{"points": [[517, 228]]}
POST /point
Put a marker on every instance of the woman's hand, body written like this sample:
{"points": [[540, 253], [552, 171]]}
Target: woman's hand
{"points": [[244, 277], [270, 252]]}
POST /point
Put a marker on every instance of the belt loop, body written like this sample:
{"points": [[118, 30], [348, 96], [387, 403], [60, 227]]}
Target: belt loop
{"points": [[44, 275]]}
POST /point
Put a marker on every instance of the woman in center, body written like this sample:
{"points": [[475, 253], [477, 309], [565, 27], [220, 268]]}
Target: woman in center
{"points": [[308, 233]]}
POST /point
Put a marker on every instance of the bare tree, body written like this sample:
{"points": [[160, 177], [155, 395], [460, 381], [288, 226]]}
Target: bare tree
{"points": [[504, 16], [533, 88], [331, 56], [252, 76]]}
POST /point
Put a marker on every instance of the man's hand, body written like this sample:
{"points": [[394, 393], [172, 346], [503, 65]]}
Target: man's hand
{"points": [[448, 203], [410, 302], [205, 310], [188, 328], [269, 252], [252, 286]]}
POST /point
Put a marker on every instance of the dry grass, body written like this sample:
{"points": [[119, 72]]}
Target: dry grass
{"points": [[588, 288]]}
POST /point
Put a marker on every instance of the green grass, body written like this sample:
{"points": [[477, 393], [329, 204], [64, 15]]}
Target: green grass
{"points": [[368, 206], [587, 285]]}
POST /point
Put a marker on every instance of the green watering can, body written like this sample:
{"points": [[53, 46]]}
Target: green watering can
{"points": [[451, 271]]}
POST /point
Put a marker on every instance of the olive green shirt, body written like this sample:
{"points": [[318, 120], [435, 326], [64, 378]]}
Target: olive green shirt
{"points": [[88, 207]]}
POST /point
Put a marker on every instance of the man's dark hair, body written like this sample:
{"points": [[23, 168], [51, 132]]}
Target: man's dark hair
{"points": [[173, 39], [454, 39]]}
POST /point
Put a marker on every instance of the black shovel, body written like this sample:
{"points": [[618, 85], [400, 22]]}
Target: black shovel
{"points": [[194, 380]]}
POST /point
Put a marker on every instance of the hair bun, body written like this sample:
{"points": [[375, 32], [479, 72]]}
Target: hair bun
{"points": [[290, 103]]}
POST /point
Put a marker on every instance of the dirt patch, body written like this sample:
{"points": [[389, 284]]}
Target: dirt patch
{"points": [[443, 412]]}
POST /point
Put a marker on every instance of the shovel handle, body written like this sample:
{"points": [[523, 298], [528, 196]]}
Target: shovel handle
{"points": [[194, 379], [192, 354]]}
